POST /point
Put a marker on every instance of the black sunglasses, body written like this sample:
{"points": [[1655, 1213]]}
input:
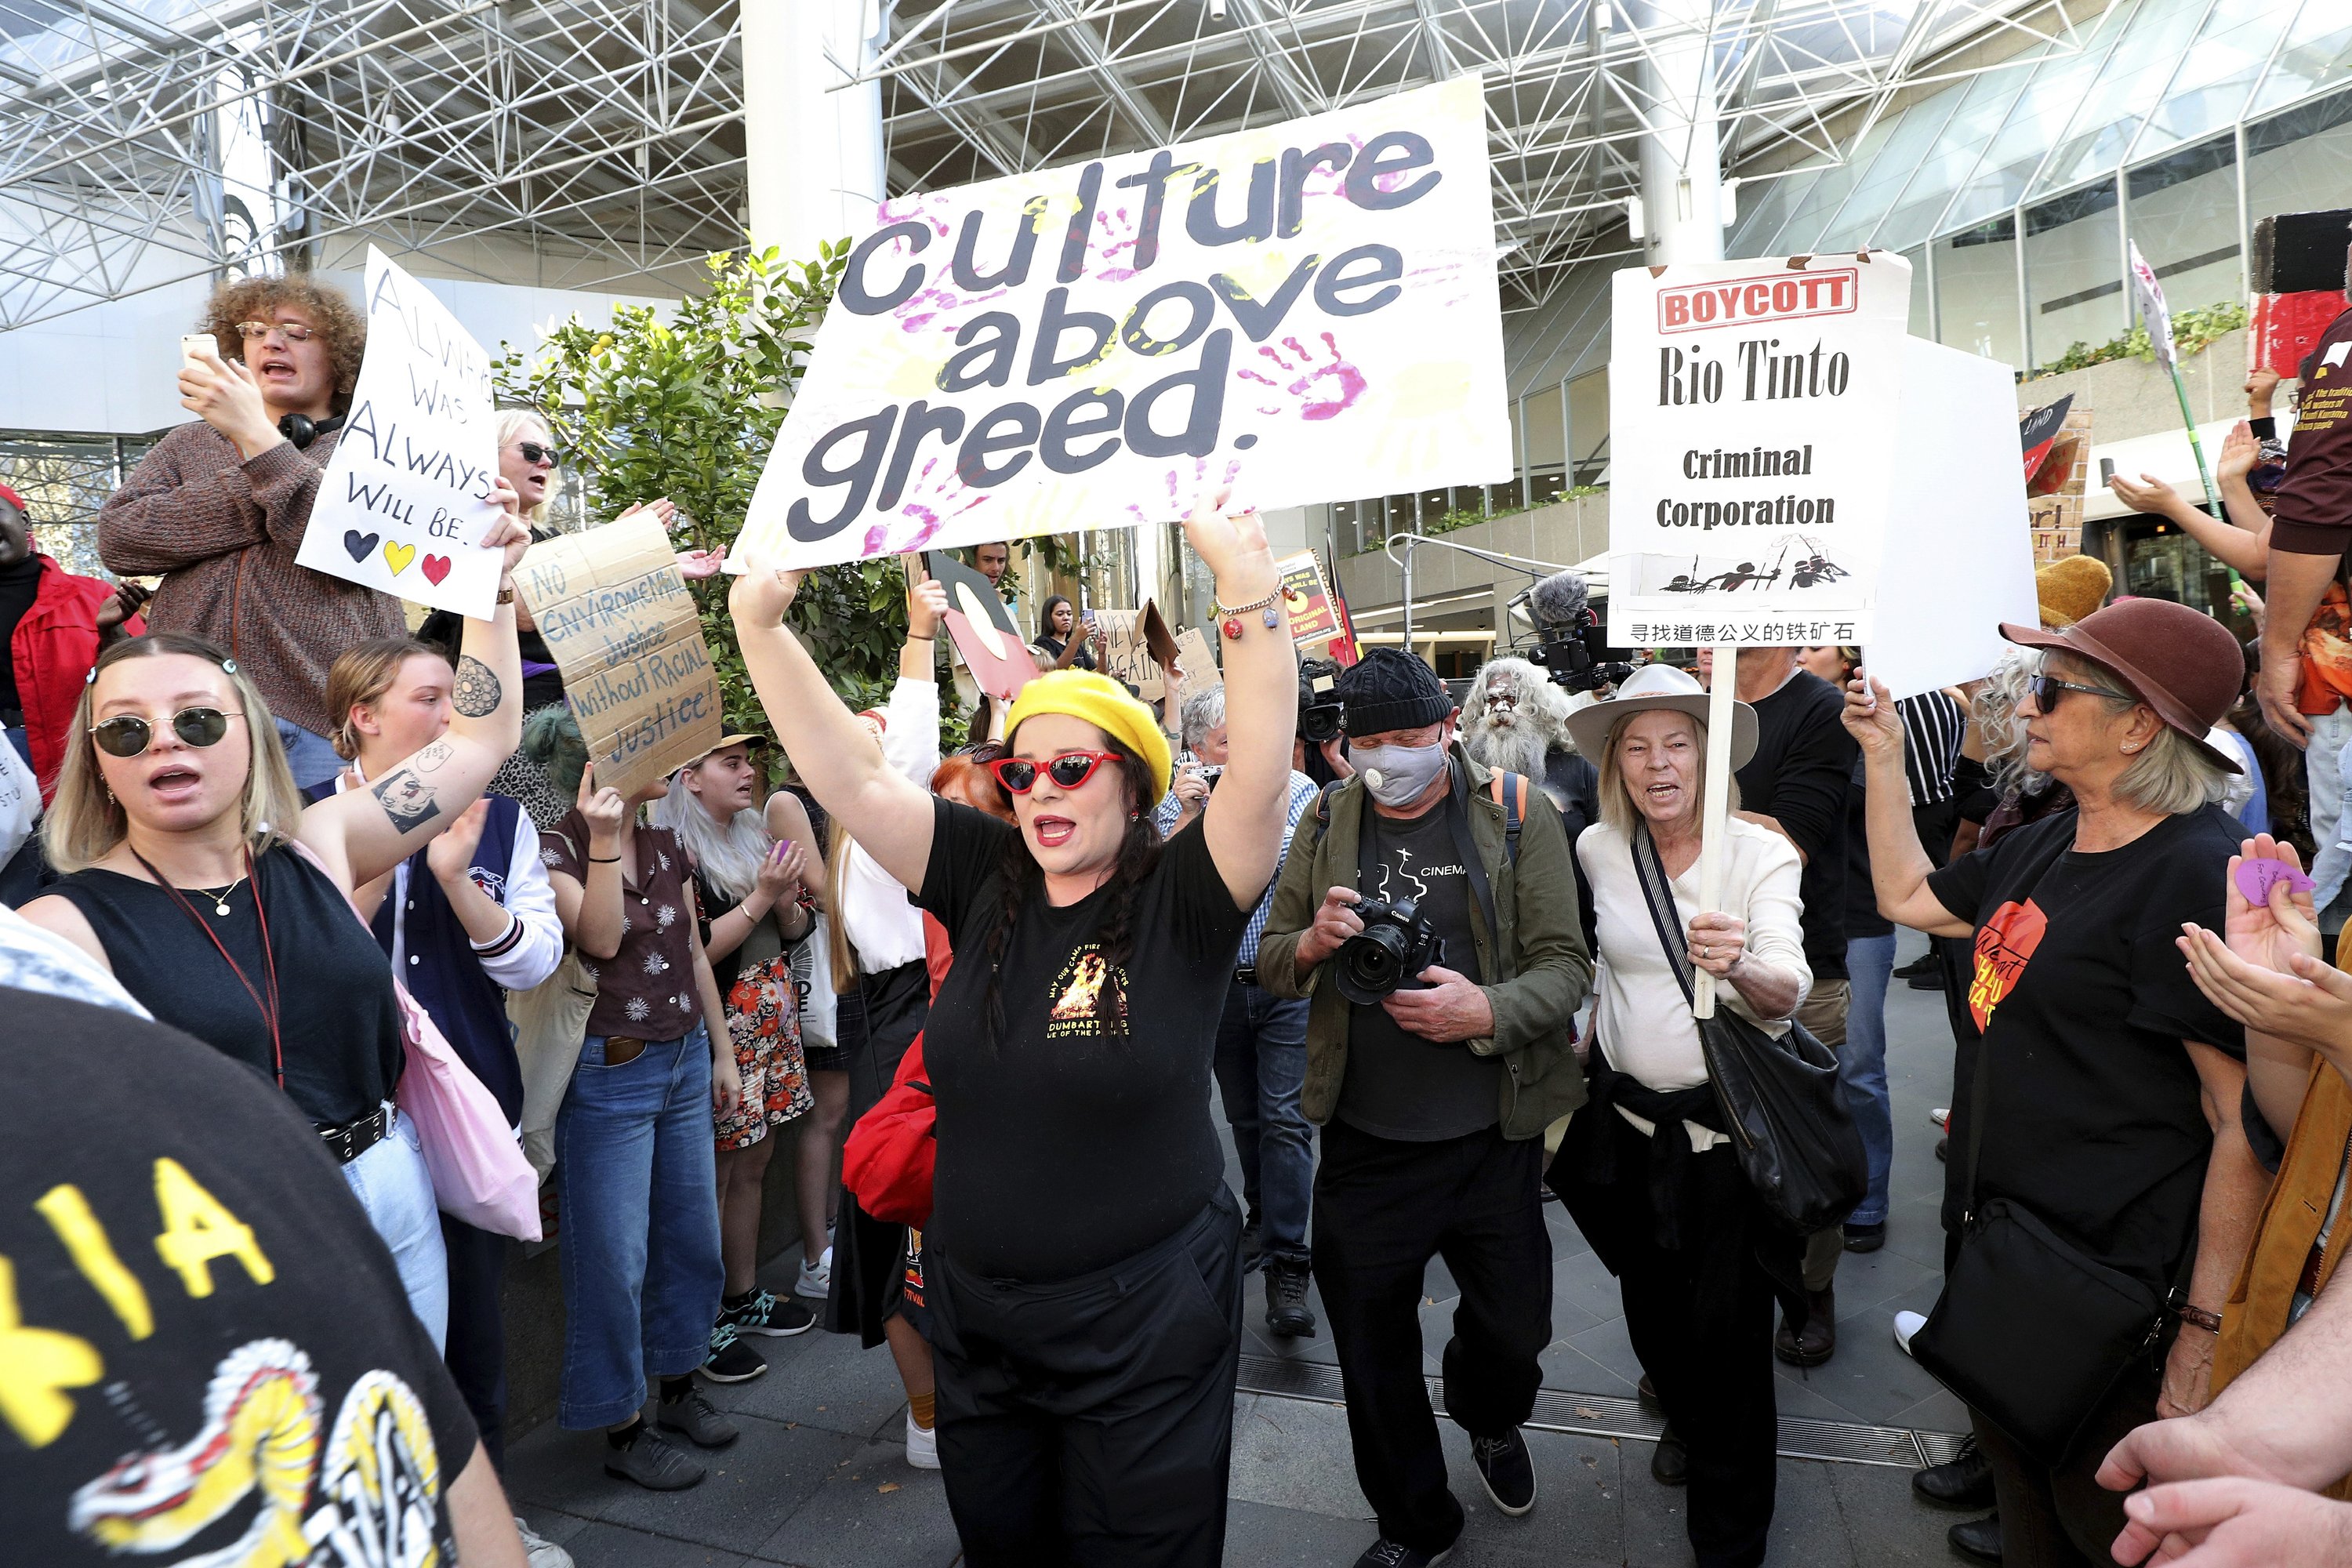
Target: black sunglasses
{"points": [[128, 734], [2048, 689], [532, 452]]}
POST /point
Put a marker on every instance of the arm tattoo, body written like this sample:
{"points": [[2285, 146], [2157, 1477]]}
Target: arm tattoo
{"points": [[430, 758], [477, 692], [407, 800]]}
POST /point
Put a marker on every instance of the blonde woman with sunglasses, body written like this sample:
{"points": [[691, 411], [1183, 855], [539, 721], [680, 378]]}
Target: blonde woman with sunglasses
{"points": [[176, 822]]}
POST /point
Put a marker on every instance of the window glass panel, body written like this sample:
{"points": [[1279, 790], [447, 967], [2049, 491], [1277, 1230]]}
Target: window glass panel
{"points": [[1887, 175], [1976, 290], [1403, 515], [1922, 184], [2316, 55], [1546, 456], [1588, 426], [1764, 210], [2183, 212], [1919, 325], [2133, 79], [2302, 160], [2209, 90], [2041, 114], [2074, 271], [1825, 192]]}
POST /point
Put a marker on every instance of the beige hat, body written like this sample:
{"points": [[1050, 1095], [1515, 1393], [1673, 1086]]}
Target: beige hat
{"points": [[1658, 686]]}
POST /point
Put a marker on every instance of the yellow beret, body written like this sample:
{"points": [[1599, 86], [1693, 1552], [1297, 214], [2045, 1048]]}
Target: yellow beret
{"points": [[2070, 588], [1104, 703]]}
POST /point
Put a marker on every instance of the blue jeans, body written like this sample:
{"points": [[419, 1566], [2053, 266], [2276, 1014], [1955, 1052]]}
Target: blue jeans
{"points": [[1862, 1067], [311, 757], [1261, 1067], [637, 1182], [392, 1183]]}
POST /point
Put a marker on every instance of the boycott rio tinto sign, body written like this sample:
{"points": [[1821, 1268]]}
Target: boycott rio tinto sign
{"points": [[1776, 296]]}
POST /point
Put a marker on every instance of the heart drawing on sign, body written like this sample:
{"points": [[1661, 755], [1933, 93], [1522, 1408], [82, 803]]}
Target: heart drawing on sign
{"points": [[359, 543], [435, 568], [398, 556]]}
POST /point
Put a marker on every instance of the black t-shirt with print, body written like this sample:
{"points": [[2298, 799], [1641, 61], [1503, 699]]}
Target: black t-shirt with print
{"points": [[2093, 1119], [1399, 1085], [202, 1342], [1083, 1136]]}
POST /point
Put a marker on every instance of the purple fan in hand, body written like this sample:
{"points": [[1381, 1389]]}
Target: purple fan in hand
{"points": [[2256, 876]]}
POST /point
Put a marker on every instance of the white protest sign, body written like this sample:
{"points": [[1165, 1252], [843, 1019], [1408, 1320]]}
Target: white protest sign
{"points": [[1752, 409], [2147, 294], [1103, 343], [636, 673], [405, 500]]}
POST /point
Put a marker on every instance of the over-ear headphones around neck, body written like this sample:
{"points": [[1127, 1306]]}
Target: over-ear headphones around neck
{"points": [[301, 429]]}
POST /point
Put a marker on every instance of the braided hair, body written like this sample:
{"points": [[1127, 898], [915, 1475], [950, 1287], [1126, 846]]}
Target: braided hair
{"points": [[1021, 880]]}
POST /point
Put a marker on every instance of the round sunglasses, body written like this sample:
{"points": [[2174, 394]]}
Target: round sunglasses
{"points": [[1067, 771], [128, 734]]}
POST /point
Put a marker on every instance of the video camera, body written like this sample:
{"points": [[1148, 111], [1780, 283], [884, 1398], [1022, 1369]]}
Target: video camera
{"points": [[1396, 944], [1320, 715], [1575, 649]]}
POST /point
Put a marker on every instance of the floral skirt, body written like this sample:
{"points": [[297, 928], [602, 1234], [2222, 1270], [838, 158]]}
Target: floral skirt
{"points": [[763, 1019]]}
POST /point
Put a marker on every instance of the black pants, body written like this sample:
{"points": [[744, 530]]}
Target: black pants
{"points": [[1383, 1208], [1089, 1422], [476, 1349], [2064, 1518], [1700, 1317]]}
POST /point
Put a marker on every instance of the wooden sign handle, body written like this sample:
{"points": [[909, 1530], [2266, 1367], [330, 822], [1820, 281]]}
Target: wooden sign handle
{"points": [[1715, 806]]}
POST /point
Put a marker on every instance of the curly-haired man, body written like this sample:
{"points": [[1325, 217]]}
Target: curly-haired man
{"points": [[220, 505]]}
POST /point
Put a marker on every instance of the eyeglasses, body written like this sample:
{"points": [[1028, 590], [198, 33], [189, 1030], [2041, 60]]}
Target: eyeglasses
{"points": [[128, 734], [2046, 689], [293, 331], [532, 452], [1067, 771]]}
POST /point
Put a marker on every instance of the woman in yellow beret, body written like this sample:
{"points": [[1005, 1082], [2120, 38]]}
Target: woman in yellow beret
{"points": [[1083, 1256]]}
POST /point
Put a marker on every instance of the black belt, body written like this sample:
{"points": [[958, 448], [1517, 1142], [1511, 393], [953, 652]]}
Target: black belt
{"points": [[353, 1138], [1245, 974]]}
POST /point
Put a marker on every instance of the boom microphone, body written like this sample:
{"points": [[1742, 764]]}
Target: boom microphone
{"points": [[1557, 603], [1575, 651]]}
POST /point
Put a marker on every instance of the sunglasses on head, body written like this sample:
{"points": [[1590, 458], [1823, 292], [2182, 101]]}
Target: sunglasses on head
{"points": [[533, 452], [1067, 771], [128, 734], [2048, 689]]}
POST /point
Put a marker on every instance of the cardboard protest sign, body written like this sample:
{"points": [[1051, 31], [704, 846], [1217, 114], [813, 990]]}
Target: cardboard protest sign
{"points": [[1137, 648], [405, 499], [982, 628], [622, 626], [1752, 413], [1317, 627], [1105, 342], [1198, 662]]}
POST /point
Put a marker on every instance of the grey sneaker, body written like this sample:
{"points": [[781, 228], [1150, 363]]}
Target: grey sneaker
{"points": [[693, 1414], [654, 1462], [537, 1550]]}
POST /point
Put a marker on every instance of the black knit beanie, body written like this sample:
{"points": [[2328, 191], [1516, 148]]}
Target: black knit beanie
{"points": [[1390, 688]]}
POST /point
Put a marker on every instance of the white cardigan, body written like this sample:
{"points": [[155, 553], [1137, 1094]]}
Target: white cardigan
{"points": [[1640, 1020]]}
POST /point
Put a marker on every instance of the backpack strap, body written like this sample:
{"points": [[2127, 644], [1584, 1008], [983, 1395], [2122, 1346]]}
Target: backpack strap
{"points": [[1514, 804]]}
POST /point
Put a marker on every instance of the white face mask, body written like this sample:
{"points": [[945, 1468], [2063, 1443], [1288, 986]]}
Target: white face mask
{"points": [[1398, 775]]}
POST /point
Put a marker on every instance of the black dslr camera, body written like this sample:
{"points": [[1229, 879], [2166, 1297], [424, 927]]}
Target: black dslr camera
{"points": [[1395, 945], [1320, 714]]}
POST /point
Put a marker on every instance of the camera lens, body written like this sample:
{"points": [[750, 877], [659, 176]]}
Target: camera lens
{"points": [[1319, 723], [1371, 963]]}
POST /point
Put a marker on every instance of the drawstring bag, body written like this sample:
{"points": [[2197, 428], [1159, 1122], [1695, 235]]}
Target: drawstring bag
{"points": [[812, 965], [888, 1160]]}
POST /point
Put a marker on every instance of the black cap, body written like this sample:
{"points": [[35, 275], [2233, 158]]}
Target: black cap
{"points": [[1390, 688]]}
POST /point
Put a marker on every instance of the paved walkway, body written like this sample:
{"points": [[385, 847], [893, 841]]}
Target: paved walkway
{"points": [[820, 1479]]}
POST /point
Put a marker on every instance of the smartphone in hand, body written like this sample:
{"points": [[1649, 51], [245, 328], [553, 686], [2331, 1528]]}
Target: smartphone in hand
{"points": [[195, 346]]}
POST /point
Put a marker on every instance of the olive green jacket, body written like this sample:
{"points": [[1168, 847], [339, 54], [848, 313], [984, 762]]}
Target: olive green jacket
{"points": [[1541, 970]]}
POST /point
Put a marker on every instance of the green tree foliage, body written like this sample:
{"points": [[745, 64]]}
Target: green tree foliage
{"points": [[2193, 332]]}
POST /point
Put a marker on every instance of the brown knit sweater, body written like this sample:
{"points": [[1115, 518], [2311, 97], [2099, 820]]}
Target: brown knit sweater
{"points": [[223, 534]]}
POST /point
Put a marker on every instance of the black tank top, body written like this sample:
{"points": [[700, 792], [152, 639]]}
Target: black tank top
{"points": [[337, 1020]]}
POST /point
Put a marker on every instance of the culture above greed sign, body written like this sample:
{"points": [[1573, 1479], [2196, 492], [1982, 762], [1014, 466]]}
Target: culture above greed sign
{"points": [[1302, 310], [1752, 410]]}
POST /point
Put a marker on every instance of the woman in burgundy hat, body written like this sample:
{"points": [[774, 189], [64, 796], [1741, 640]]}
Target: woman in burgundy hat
{"points": [[2103, 1111]]}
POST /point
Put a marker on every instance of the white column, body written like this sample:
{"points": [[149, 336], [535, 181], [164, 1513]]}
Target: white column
{"points": [[1681, 183], [814, 158]]}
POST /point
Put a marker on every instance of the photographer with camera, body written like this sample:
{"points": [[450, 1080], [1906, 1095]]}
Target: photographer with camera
{"points": [[1319, 749], [1445, 964]]}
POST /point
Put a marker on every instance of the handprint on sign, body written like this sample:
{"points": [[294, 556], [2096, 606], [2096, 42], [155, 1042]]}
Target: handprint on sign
{"points": [[1322, 389], [1118, 230], [936, 496], [1174, 481]]}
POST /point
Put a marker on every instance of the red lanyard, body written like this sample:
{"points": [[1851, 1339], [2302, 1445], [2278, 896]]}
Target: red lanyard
{"points": [[268, 953]]}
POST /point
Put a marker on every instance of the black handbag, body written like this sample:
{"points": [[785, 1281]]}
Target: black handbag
{"points": [[2030, 1332], [1783, 1103]]}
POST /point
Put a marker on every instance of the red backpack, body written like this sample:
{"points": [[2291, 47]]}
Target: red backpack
{"points": [[888, 1157]]}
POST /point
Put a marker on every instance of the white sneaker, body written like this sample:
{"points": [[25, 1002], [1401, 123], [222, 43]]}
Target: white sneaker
{"points": [[1942, 1117], [815, 1283], [922, 1447], [539, 1550], [1906, 1325]]}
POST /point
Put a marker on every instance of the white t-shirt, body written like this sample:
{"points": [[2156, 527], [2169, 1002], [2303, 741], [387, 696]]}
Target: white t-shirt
{"points": [[882, 924]]}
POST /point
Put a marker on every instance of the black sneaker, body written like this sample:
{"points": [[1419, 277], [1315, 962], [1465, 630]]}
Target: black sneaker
{"points": [[1865, 1238], [1287, 1315], [653, 1462], [1507, 1470], [765, 1312], [1387, 1554], [730, 1360], [1965, 1481], [1977, 1538], [692, 1412]]}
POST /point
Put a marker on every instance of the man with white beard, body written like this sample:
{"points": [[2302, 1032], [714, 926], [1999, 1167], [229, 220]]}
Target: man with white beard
{"points": [[1516, 720]]}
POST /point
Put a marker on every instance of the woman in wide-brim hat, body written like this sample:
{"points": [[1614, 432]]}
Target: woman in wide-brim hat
{"points": [[2111, 1085], [1647, 1169]]}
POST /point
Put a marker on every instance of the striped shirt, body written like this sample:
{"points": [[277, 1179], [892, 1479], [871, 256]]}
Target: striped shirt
{"points": [[1302, 797], [1933, 723]]}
